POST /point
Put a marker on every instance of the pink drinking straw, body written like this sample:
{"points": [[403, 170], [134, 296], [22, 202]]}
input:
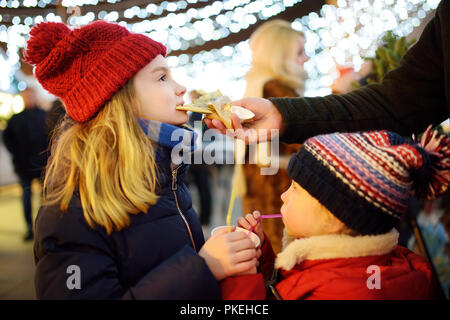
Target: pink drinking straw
{"points": [[265, 216]]}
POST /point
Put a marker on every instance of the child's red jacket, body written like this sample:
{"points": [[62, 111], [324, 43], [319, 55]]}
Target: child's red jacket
{"points": [[338, 267]]}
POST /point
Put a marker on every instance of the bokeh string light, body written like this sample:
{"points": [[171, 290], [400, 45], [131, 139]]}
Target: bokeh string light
{"points": [[179, 30], [339, 35], [343, 35]]}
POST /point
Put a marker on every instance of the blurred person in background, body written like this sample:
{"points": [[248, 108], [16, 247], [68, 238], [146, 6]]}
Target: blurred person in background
{"points": [[199, 172], [26, 139], [54, 117], [278, 57]]}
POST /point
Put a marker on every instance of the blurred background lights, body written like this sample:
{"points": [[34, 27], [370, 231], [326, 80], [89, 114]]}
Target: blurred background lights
{"points": [[335, 36]]}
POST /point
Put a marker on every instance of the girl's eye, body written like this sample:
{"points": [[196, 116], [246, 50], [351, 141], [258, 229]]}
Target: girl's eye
{"points": [[163, 78]]}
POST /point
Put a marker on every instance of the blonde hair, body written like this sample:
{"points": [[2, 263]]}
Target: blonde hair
{"points": [[270, 45], [109, 160]]}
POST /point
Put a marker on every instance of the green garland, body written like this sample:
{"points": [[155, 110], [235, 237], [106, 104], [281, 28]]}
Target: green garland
{"points": [[387, 57]]}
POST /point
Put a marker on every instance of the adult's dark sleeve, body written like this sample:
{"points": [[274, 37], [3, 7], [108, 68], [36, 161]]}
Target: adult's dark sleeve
{"points": [[410, 97]]}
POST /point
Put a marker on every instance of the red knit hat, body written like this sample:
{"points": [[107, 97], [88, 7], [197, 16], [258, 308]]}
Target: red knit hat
{"points": [[87, 66]]}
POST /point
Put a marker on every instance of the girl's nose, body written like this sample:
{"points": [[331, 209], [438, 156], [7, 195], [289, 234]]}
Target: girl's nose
{"points": [[181, 90]]}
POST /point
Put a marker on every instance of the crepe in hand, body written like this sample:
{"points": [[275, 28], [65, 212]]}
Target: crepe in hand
{"points": [[217, 106]]}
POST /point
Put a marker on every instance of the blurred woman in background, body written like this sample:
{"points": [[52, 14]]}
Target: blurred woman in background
{"points": [[278, 57]]}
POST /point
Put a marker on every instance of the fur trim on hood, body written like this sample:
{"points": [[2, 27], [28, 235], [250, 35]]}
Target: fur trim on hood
{"points": [[334, 246]]}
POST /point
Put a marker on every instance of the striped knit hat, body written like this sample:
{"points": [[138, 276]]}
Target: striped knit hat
{"points": [[366, 179], [85, 67]]}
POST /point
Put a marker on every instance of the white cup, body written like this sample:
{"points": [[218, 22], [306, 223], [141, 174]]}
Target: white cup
{"points": [[252, 235]]}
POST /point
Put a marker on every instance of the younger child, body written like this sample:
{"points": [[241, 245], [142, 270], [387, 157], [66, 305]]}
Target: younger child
{"points": [[348, 192]]}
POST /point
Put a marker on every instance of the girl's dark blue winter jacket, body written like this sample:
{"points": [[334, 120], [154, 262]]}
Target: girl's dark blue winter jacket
{"points": [[154, 258]]}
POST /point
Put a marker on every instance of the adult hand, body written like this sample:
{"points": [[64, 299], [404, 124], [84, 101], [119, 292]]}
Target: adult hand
{"points": [[267, 117], [230, 253]]}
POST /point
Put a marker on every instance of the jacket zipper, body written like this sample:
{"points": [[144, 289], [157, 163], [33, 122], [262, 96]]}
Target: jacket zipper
{"points": [[174, 190], [274, 279]]}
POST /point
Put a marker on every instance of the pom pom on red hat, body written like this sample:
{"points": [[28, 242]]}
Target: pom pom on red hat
{"points": [[43, 38], [87, 66]]}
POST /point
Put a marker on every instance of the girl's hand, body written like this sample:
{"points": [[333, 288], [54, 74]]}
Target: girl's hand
{"points": [[229, 254], [250, 221]]}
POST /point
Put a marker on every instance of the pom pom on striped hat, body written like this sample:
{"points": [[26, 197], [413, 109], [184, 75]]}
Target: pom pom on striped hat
{"points": [[433, 178], [366, 179]]}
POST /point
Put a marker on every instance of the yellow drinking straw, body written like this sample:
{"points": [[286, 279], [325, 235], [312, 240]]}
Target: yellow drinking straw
{"points": [[238, 184], [230, 208]]}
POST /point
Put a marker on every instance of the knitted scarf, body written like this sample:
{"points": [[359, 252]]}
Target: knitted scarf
{"points": [[168, 135]]}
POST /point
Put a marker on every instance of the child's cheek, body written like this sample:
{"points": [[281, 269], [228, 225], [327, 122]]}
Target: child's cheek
{"points": [[286, 214], [289, 226]]}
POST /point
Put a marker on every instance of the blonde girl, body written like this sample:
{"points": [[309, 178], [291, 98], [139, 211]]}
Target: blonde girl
{"points": [[117, 221]]}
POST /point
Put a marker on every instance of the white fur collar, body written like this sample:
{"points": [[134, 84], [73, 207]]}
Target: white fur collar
{"points": [[333, 246]]}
